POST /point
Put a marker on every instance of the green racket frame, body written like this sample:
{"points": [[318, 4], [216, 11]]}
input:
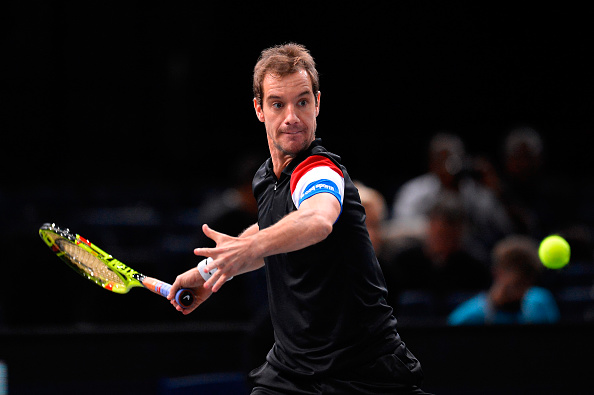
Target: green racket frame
{"points": [[98, 266]]}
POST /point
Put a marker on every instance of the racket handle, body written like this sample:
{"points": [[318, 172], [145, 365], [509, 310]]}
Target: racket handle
{"points": [[184, 297]]}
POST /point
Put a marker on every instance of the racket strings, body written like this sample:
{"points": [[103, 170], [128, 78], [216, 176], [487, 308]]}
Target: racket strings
{"points": [[87, 262]]}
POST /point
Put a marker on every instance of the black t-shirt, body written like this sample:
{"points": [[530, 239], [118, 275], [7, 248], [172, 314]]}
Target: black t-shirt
{"points": [[327, 301]]}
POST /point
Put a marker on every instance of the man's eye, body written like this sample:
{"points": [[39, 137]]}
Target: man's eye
{"points": [[277, 105], [303, 103]]}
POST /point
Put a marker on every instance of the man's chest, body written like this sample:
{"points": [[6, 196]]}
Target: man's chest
{"points": [[274, 202]]}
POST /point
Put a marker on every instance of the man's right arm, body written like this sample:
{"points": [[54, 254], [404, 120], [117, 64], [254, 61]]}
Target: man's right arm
{"points": [[308, 225]]}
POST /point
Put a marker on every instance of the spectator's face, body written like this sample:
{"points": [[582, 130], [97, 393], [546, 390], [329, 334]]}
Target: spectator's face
{"points": [[443, 238], [509, 286]]}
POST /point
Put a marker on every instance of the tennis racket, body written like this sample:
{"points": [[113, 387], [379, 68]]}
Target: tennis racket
{"points": [[98, 266]]}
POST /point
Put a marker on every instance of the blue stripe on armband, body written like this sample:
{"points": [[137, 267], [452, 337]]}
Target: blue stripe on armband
{"points": [[321, 186]]}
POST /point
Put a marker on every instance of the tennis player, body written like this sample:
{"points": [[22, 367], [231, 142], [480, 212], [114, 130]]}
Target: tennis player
{"points": [[333, 329]]}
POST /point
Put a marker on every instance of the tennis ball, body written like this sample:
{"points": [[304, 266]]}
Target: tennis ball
{"points": [[554, 252]]}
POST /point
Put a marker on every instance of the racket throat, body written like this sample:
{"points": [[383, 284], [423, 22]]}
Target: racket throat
{"points": [[139, 277]]}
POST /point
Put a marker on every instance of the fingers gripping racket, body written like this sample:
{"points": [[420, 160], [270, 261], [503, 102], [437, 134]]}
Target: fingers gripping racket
{"points": [[98, 266]]}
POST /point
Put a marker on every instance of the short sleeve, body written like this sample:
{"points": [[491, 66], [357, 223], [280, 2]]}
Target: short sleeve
{"points": [[316, 174]]}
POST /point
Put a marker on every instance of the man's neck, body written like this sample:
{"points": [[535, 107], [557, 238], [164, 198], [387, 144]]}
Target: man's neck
{"points": [[280, 162], [281, 159]]}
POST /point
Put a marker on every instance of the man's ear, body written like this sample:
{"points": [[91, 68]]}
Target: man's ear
{"points": [[259, 112], [318, 103]]}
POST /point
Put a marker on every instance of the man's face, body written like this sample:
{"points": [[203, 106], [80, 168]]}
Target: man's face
{"points": [[289, 112]]}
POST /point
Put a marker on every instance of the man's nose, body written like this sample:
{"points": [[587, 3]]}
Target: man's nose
{"points": [[291, 115]]}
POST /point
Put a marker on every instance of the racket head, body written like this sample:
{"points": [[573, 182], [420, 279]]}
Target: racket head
{"points": [[89, 260]]}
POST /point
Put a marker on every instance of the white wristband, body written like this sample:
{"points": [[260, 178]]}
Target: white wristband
{"points": [[207, 275]]}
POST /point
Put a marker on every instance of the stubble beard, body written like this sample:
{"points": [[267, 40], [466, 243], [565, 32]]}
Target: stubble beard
{"points": [[293, 153]]}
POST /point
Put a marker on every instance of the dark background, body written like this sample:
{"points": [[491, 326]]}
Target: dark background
{"points": [[163, 93], [121, 120]]}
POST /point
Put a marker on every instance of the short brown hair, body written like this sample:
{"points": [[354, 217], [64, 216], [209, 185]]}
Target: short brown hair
{"points": [[519, 253], [283, 60]]}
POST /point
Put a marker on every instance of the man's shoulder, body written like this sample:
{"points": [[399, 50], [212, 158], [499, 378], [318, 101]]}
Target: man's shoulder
{"points": [[263, 176], [316, 148]]}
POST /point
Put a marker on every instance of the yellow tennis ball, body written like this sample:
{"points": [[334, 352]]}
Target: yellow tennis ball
{"points": [[554, 252]]}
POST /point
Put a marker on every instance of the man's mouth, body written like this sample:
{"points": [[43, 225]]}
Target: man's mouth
{"points": [[293, 131]]}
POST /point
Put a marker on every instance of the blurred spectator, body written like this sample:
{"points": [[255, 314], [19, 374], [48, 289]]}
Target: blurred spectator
{"points": [[513, 298], [521, 186], [376, 211], [448, 171], [231, 212], [439, 262], [523, 152]]}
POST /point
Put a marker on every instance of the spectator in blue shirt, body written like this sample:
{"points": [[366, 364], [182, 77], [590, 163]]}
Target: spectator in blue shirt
{"points": [[514, 297]]}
